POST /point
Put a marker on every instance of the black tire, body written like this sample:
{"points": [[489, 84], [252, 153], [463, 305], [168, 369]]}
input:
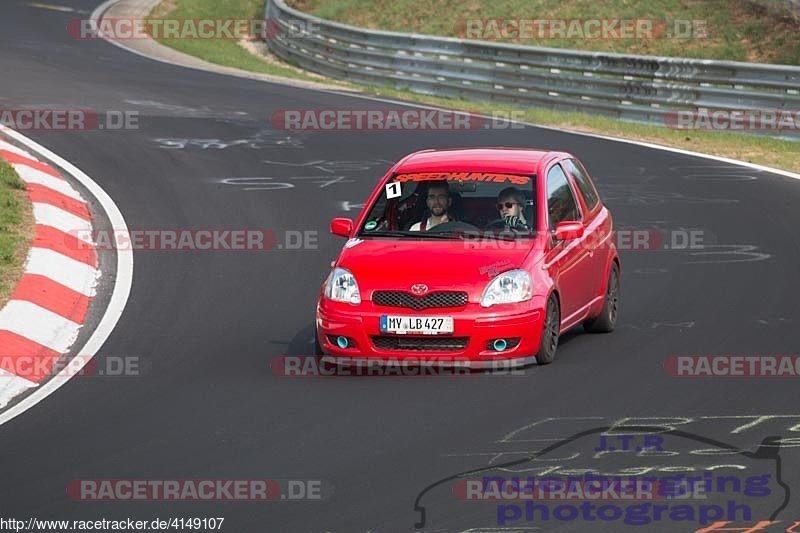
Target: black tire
{"points": [[549, 342], [607, 320]]}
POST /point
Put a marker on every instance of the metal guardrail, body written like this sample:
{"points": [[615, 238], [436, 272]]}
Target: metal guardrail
{"points": [[635, 88]]}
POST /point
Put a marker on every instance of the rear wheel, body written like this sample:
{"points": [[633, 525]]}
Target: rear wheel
{"points": [[607, 319], [549, 342]]}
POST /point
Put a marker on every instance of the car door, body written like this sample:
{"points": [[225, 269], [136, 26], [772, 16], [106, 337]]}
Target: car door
{"points": [[569, 262], [597, 223]]}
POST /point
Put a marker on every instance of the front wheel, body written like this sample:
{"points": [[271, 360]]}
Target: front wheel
{"points": [[607, 319], [549, 342]]}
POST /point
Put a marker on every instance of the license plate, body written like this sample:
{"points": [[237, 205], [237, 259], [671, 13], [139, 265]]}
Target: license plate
{"points": [[416, 325]]}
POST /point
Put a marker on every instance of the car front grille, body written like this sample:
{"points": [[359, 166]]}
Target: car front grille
{"points": [[429, 301], [433, 344]]}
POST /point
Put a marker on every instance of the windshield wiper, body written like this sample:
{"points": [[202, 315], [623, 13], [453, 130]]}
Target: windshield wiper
{"points": [[386, 233], [448, 234], [414, 234], [463, 235]]}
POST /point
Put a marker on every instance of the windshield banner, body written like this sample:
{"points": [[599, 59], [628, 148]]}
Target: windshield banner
{"points": [[464, 176]]}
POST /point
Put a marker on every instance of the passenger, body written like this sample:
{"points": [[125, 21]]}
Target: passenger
{"points": [[511, 205]]}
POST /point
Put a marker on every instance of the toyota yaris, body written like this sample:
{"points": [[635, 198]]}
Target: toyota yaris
{"points": [[476, 255]]}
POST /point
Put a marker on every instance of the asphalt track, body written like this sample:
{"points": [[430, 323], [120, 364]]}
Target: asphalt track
{"points": [[209, 323]]}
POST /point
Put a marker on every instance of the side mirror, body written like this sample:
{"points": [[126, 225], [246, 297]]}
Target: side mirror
{"points": [[568, 230], [342, 227]]}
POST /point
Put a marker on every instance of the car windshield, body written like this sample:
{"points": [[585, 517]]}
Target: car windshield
{"points": [[453, 205]]}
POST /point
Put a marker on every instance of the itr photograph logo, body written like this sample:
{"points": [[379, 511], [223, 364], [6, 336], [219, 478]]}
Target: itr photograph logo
{"points": [[515, 502]]}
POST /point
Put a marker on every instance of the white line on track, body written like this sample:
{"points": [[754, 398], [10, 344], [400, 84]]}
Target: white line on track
{"points": [[122, 286]]}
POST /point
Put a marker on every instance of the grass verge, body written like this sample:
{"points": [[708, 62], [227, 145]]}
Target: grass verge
{"points": [[16, 229], [758, 149], [224, 52]]}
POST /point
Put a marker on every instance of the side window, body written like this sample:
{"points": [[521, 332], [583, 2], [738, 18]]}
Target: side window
{"points": [[561, 204], [583, 181]]}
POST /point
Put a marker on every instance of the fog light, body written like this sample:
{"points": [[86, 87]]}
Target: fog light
{"points": [[499, 345], [342, 342]]}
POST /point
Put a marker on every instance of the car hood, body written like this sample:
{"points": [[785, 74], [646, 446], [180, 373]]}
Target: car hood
{"points": [[387, 264]]}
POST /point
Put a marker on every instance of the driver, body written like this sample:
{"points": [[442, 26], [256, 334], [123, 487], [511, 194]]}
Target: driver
{"points": [[439, 201], [511, 203]]}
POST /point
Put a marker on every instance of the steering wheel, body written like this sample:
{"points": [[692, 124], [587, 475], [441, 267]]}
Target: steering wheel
{"points": [[453, 225], [496, 224], [503, 227]]}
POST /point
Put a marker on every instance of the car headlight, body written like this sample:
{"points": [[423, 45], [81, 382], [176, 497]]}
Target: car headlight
{"points": [[342, 287], [509, 287]]}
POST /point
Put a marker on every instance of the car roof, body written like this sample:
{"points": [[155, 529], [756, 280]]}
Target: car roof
{"points": [[511, 160]]}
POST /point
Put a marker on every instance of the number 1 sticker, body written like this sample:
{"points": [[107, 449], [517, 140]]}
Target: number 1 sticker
{"points": [[393, 190]]}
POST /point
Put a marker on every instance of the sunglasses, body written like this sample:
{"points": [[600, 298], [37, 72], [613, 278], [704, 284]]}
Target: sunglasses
{"points": [[507, 205]]}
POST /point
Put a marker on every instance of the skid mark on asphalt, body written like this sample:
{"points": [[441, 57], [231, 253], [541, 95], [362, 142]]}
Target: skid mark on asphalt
{"points": [[725, 173], [332, 166], [261, 140], [347, 206], [263, 183], [731, 253], [334, 174], [177, 110], [649, 271], [51, 7]]}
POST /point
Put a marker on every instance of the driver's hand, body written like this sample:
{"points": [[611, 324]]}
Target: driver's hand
{"points": [[514, 222]]}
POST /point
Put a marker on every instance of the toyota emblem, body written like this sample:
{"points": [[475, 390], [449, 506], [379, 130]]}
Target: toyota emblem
{"points": [[419, 289]]}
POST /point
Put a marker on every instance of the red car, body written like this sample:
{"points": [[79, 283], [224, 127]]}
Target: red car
{"points": [[471, 255]]}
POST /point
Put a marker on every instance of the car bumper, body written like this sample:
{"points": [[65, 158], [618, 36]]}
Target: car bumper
{"points": [[474, 328]]}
